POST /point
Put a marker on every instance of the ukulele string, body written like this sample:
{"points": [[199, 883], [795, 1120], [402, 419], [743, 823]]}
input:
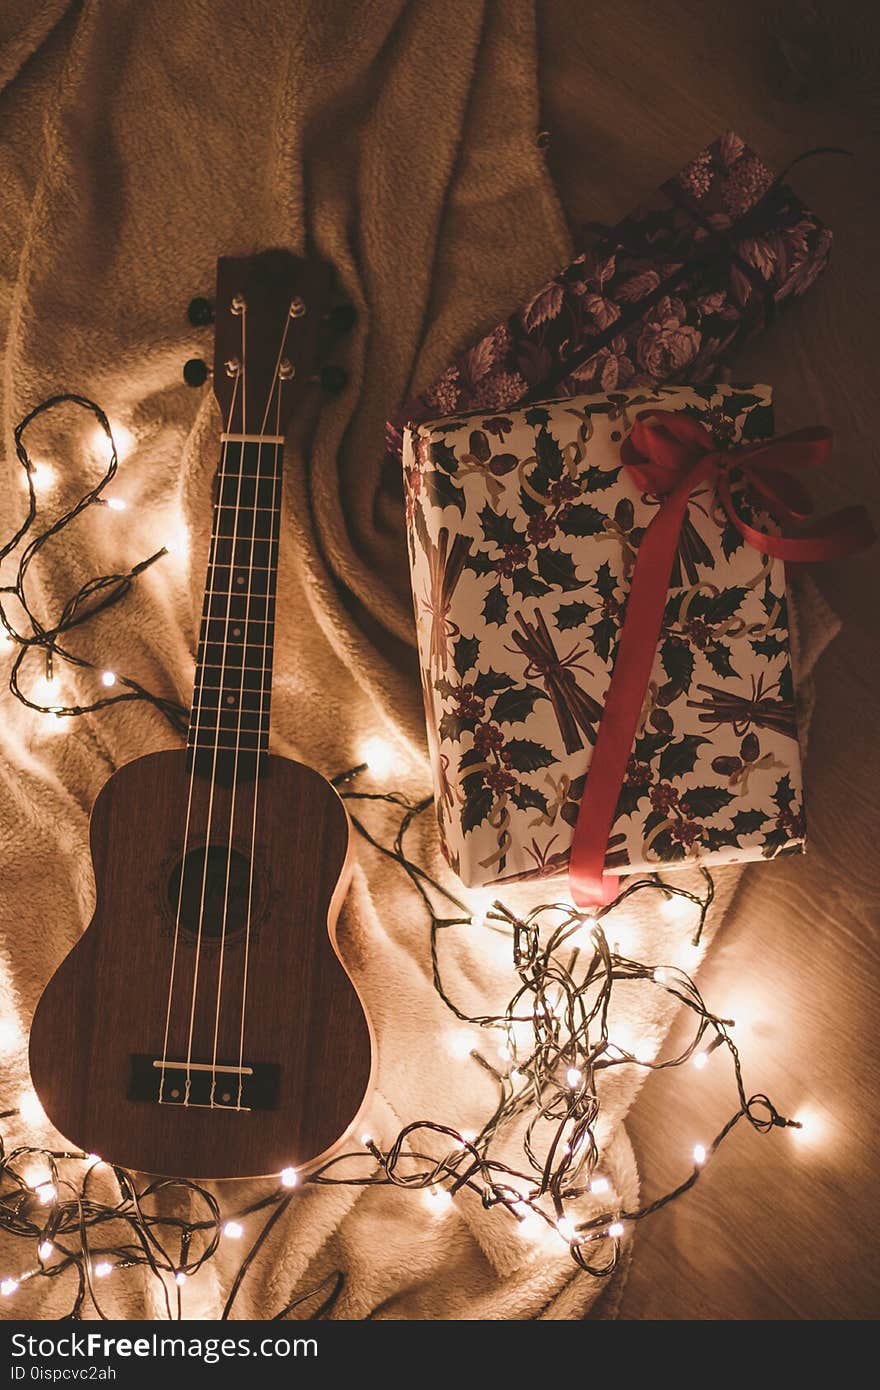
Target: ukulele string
{"points": [[240, 722], [195, 722], [242, 376], [273, 541]]}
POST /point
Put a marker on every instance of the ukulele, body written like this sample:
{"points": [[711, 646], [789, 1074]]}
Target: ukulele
{"points": [[204, 1026]]}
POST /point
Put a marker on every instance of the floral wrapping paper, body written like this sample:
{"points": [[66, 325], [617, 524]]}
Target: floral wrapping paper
{"points": [[662, 298], [523, 531]]}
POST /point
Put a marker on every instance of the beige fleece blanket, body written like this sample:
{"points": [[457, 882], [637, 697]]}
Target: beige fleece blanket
{"points": [[142, 139]]}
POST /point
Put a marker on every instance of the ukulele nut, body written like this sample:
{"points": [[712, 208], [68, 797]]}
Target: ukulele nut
{"points": [[297, 308], [239, 304], [286, 369], [233, 366]]}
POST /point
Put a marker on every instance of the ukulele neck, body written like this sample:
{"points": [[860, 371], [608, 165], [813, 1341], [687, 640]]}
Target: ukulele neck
{"points": [[229, 724]]}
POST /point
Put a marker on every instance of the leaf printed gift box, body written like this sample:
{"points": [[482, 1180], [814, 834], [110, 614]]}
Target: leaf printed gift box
{"points": [[524, 531]]}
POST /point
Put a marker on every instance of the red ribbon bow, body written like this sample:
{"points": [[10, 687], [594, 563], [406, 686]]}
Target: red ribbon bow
{"points": [[669, 455]]}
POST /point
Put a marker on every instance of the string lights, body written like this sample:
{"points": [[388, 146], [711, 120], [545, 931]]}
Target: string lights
{"points": [[19, 621], [546, 1052]]}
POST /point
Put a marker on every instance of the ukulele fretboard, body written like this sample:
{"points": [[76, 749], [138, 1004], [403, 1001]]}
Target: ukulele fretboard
{"points": [[229, 724]]}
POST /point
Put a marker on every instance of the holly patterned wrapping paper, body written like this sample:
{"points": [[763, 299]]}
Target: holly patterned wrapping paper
{"points": [[523, 531], [662, 298]]}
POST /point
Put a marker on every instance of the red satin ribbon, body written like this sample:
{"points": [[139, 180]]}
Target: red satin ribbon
{"points": [[668, 455]]}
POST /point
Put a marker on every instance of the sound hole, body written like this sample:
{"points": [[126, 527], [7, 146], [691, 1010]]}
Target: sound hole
{"points": [[218, 878]]}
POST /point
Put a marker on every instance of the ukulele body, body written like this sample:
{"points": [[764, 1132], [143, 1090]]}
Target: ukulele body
{"points": [[279, 1049]]}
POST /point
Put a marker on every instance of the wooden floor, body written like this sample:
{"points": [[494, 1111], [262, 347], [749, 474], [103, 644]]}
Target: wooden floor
{"points": [[778, 1227]]}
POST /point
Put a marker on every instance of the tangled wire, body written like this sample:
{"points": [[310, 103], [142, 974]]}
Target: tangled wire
{"points": [[86, 1219]]}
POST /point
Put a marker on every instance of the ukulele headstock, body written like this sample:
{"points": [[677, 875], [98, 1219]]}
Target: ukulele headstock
{"points": [[269, 314]]}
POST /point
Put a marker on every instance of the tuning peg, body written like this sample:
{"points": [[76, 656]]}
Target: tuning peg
{"points": [[333, 379], [200, 312], [195, 372], [341, 318]]}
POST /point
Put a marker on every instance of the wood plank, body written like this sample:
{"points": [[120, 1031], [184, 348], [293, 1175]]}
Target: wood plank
{"points": [[774, 1229]]}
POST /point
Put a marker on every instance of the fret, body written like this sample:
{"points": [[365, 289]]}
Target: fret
{"points": [[251, 655], [246, 525], [250, 740], [236, 582], [244, 568], [211, 763], [259, 493], [231, 579], [270, 511], [246, 532], [236, 678], [250, 460], [241, 629], [228, 622], [227, 699], [236, 725], [244, 608], [216, 631], [229, 550]]}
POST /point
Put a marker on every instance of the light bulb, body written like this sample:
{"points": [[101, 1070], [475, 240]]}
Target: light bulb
{"points": [[366, 1140], [583, 936], [621, 937], [289, 1177], [661, 975], [574, 1077], [566, 1228], [531, 1227], [123, 438], [677, 908], [615, 1230], [177, 540], [47, 1192], [45, 1249], [233, 1229], [8, 1286], [379, 755], [437, 1200], [599, 1185], [479, 903], [108, 678], [43, 475], [688, 956], [10, 1035], [461, 1044], [700, 1059], [116, 504], [46, 691], [699, 1154], [516, 1075], [93, 1158], [29, 1107], [639, 1049], [180, 1277], [812, 1127], [103, 1269]]}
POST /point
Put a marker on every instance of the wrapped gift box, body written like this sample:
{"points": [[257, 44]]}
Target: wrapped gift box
{"points": [[523, 529], [662, 298]]}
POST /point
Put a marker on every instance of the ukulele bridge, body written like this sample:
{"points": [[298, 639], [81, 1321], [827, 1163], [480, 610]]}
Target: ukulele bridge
{"points": [[204, 1085]]}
